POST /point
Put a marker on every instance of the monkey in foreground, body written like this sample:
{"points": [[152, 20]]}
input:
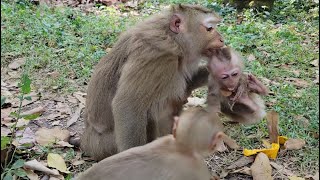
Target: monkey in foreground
{"points": [[178, 156], [142, 83], [233, 92]]}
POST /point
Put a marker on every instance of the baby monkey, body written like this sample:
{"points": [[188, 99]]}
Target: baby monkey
{"points": [[179, 156], [233, 92]]}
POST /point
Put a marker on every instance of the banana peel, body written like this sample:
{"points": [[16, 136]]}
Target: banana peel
{"points": [[271, 152]]}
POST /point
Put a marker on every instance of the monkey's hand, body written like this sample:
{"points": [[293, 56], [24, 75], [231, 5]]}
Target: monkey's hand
{"points": [[256, 86]]}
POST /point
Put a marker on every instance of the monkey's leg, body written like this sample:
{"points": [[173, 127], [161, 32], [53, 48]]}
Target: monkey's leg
{"points": [[98, 145], [130, 122]]}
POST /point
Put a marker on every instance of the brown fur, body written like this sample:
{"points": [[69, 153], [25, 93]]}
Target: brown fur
{"points": [[245, 104], [173, 157], [132, 90]]}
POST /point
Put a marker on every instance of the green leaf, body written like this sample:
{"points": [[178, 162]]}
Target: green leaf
{"points": [[25, 84], [28, 98], [4, 142], [18, 164], [31, 116], [8, 176], [14, 114], [3, 100], [20, 172]]}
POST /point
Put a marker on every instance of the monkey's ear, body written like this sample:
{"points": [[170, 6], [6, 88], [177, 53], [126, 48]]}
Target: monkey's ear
{"points": [[175, 23], [175, 125], [216, 139]]}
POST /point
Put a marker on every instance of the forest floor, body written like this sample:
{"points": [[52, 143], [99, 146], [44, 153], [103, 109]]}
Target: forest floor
{"points": [[57, 47]]}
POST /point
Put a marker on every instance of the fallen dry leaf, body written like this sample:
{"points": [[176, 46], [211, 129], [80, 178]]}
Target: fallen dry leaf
{"points": [[63, 144], [230, 142], [38, 166], [31, 175], [75, 116], [55, 123], [45, 136], [78, 162], [63, 108], [302, 121], [34, 97], [244, 170], [17, 63], [5, 131], [243, 161], [261, 168], [315, 63], [72, 99], [25, 136], [80, 98], [272, 124], [281, 169], [251, 57], [56, 161], [298, 82], [294, 144], [38, 109], [295, 178], [220, 147]]}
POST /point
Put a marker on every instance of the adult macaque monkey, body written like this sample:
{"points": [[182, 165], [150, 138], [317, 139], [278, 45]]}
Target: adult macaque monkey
{"points": [[134, 90], [235, 93], [178, 156]]}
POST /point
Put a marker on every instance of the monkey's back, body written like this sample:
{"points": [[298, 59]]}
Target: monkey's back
{"points": [[157, 160]]}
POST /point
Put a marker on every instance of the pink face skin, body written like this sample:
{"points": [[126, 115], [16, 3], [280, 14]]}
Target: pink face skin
{"points": [[226, 73]]}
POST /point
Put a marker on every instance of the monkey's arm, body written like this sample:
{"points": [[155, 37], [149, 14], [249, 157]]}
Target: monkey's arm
{"points": [[256, 86]]}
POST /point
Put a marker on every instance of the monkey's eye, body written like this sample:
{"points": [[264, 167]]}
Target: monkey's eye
{"points": [[209, 28], [235, 74], [224, 77]]}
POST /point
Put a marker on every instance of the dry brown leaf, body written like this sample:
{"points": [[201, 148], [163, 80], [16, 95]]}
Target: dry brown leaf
{"points": [[5, 119], [261, 168], [281, 169], [25, 136], [72, 99], [223, 174], [63, 108], [295, 178], [45, 136], [272, 124], [243, 161], [298, 82], [5, 131], [54, 74], [34, 97], [63, 144], [75, 116], [294, 144], [38, 166], [251, 57], [38, 109], [57, 161], [315, 63], [80, 98], [302, 121], [244, 170], [220, 147], [225, 93], [78, 162], [17, 63], [230, 142], [31, 175], [55, 123]]}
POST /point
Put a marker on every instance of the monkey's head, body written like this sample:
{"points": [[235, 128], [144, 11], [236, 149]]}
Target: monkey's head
{"points": [[194, 28], [198, 130], [226, 68]]}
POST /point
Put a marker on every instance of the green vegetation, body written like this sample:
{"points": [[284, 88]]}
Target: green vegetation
{"points": [[278, 45]]}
